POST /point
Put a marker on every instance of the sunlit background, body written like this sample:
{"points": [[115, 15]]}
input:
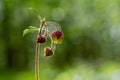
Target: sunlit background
{"points": [[91, 46]]}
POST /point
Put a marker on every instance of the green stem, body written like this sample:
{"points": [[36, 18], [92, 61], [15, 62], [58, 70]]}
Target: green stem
{"points": [[52, 23], [42, 24], [37, 62], [36, 13]]}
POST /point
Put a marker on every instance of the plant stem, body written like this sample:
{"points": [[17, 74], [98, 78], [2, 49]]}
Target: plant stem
{"points": [[52, 23], [42, 24], [37, 52], [37, 62]]}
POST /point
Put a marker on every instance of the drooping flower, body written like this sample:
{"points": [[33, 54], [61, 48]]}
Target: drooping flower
{"points": [[41, 39], [57, 36], [48, 51]]}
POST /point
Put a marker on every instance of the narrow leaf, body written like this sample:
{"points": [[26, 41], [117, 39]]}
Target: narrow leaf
{"points": [[31, 29]]}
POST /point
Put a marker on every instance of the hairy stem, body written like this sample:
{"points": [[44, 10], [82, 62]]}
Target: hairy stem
{"points": [[42, 24], [36, 13], [37, 52], [37, 62], [53, 24]]}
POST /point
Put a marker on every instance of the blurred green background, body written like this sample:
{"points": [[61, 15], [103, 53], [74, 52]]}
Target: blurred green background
{"points": [[90, 50]]}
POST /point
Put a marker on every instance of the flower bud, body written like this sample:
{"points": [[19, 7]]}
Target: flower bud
{"points": [[48, 51], [57, 36], [40, 39]]}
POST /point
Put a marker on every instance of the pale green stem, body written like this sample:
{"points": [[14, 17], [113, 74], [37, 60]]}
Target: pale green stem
{"points": [[37, 62]]}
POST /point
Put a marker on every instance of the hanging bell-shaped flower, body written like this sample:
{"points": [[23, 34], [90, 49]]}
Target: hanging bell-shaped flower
{"points": [[40, 39], [57, 36], [48, 51]]}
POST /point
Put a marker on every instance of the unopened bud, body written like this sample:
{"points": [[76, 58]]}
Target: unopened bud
{"points": [[41, 39], [48, 51]]}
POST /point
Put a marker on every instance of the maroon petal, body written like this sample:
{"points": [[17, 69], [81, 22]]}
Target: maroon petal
{"points": [[41, 39]]}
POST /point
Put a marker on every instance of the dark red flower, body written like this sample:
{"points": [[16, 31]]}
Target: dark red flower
{"points": [[57, 36], [41, 39], [48, 51]]}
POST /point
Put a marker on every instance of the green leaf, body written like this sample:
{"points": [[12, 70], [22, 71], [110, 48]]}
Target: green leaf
{"points": [[30, 29]]}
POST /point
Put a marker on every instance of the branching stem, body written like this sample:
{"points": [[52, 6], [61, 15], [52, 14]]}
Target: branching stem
{"points": [[42, 24], [37, 52]]}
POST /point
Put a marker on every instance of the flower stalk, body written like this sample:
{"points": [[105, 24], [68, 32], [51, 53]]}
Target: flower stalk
{"points": [[37, 62], [37, 51], [56, 37]]}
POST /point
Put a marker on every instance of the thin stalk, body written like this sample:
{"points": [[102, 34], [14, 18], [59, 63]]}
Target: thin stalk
{"points": [[36, 12], [53, 46], [46, 31], [37, 62], [42, 24], [52, 23], [37, 53]]}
